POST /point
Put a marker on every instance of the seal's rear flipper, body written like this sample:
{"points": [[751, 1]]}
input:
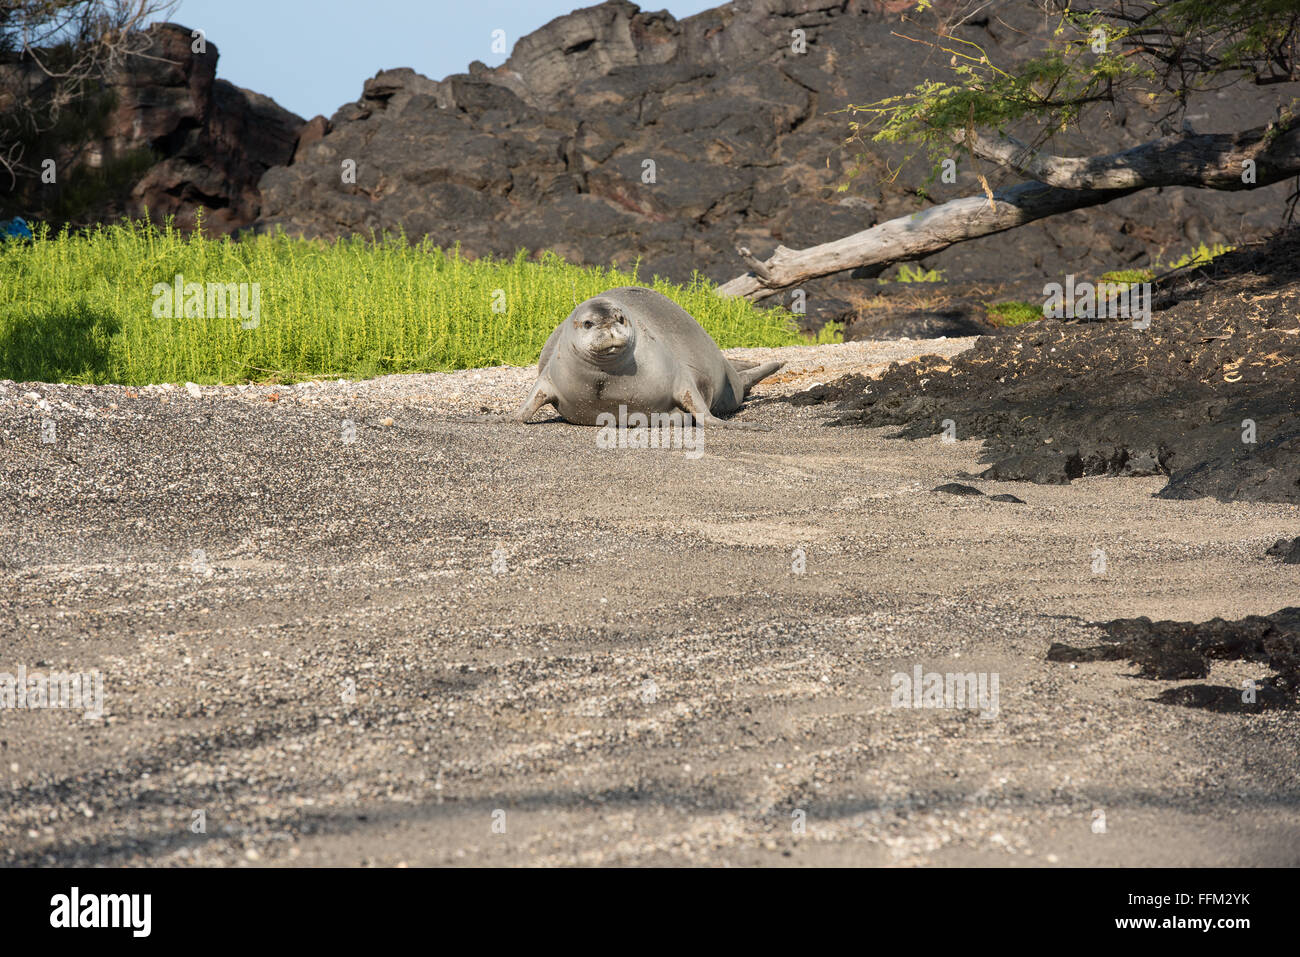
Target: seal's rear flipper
{"points": [[703, 417], [752, 375]]}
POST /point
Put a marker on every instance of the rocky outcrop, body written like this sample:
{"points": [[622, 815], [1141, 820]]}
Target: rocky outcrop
{"points": [[200, 141], [216, 139], [615, 134]]}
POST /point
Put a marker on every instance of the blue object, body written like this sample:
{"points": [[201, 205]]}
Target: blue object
{"points": [[15, 228]]}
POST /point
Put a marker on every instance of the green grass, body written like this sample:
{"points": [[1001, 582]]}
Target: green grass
{"points": [[1019, 313], [79, 308], [909, 273], [1199, 256], [1128, 275], [1014, 313]]}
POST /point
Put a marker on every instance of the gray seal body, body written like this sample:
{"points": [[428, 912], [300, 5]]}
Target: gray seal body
{"points": [[636, 348]]}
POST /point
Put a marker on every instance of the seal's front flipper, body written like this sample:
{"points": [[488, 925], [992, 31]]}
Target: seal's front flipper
{"points": [[541, 395], [754, 374], [689, 399]]}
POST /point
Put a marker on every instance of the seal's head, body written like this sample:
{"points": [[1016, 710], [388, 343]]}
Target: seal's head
{"points": [[601, 332]]}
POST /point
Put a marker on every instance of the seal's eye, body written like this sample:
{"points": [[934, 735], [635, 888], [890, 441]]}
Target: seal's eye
{"points": [[622, 321], [587, 324]]}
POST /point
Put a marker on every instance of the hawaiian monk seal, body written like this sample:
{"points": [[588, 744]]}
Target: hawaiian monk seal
{"points": [[637, 348]]}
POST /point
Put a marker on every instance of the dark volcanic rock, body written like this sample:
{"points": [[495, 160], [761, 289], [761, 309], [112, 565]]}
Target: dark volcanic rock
{"points": [[814, 396], [1044, 467], [1178, 650], [217, 164], [552, 150], [210, 141], [923, 324], [1208, 395], [956, 488], [1288, 551]]}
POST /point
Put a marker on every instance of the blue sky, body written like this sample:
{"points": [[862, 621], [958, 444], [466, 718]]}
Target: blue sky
{"points": [[312, 56]]}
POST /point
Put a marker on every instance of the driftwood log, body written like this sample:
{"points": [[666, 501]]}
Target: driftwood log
{"points": [[1243, 160]]}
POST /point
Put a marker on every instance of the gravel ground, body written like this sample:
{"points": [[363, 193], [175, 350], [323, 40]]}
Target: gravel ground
{"points": [[449, 639]]}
